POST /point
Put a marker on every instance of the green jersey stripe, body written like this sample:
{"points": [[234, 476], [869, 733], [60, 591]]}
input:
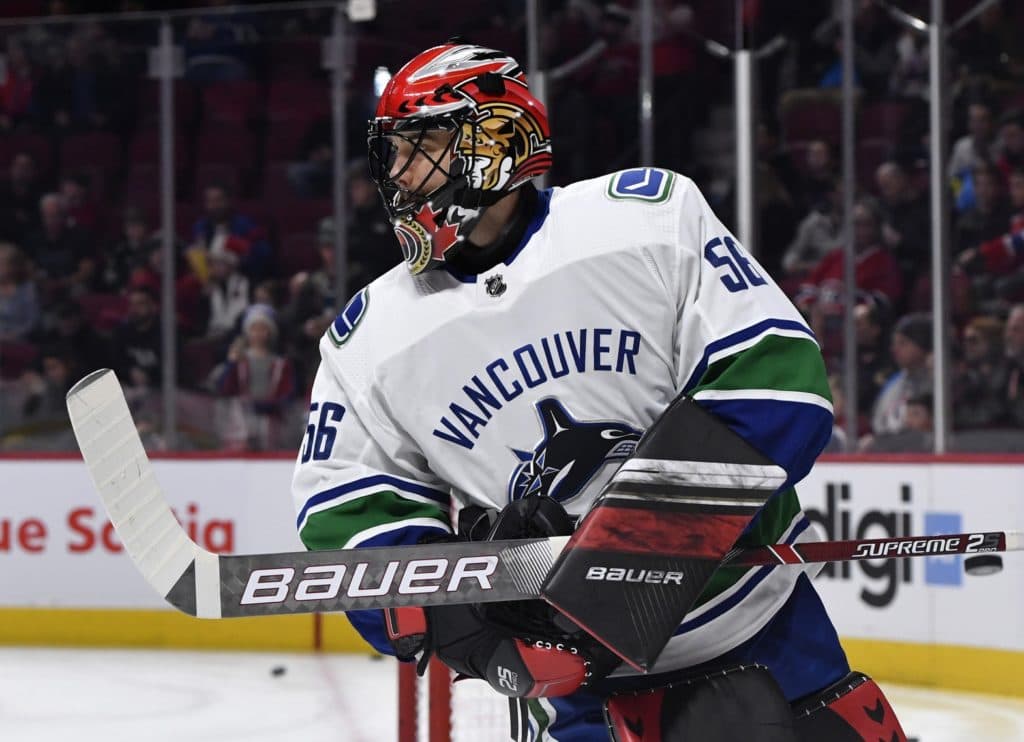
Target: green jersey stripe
{"points": [[334, 527], [793, 364]]}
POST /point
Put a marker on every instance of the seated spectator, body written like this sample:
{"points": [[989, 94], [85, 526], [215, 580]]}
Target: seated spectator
{"points": [[911, 350], [311, 176], [137, 349], [988, 217], [372, 247], [1013, 340], [249, 239], [262, 380], [19, 305], [877, 274], [816, 181], [66, 328], [874, 363], [817, 234], [218, 46], [83, 211], [128, 255], [981, 376], [225, 288], [92, 94], [19, 199], [1000, 261], [304, 320], [62, 252], [1011, 143], [56, 371], [905, 215], [323, 277], [975, 147], [917, 435], [16, 87]]}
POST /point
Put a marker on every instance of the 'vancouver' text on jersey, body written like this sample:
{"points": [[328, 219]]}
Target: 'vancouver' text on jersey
{"points": [[540, 375]]}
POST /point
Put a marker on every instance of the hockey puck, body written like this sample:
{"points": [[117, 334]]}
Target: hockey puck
{"points": [[277, 671], [983, 564]]}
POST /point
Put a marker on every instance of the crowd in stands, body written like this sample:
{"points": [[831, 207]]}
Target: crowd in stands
{"points": [[81, 249]]}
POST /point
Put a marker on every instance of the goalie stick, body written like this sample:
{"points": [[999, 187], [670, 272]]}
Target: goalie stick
{"points": [[208, 585]]}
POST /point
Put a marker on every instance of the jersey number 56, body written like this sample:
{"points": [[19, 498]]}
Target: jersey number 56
{"points": [[723, 252], [321, 430]]}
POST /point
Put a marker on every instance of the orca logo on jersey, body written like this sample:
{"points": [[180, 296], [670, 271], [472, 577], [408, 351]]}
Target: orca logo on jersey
{"points": [[569, 454]]}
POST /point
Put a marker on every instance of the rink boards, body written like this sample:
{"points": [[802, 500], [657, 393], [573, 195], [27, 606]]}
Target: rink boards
{"points": [[64, 579]]}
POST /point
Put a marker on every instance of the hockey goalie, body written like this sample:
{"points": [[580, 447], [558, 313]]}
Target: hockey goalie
{"points": [[535, 342]]}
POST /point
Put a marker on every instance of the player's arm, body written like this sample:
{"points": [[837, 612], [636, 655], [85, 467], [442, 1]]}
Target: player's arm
{"points": [[744, 352], [356, 483]]}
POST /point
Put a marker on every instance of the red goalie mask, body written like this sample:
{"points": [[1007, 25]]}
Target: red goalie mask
{"points": [[456, 129]]}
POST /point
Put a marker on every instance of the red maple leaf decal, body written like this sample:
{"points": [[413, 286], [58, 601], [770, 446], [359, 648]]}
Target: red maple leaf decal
{"points": [[441, 237]]}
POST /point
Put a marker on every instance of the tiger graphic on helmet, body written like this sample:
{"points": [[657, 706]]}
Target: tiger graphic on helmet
{"points": [[499, 139]]}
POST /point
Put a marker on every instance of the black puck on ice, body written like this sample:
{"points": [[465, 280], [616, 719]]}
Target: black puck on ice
{"points": [[277, 671], [983, 564]]}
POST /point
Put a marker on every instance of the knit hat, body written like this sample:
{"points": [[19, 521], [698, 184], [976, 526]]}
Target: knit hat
{"points": [[917, 328], [260, 313]]}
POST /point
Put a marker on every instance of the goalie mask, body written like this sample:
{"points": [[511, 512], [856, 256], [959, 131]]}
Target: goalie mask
{"points": [[456, 130]]}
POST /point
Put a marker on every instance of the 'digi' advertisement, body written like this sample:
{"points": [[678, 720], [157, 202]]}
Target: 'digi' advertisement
{"points": [[924, 598]]}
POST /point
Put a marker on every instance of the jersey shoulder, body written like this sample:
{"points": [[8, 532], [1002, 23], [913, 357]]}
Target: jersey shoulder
{"points": [[627, 209]]}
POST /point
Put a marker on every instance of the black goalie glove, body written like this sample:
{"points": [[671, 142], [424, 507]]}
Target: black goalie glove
{"points": [[523, 649]]}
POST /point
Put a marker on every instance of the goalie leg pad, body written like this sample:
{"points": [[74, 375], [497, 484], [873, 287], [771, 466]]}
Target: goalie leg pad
{"points": [[852, 710], [737, 703]]}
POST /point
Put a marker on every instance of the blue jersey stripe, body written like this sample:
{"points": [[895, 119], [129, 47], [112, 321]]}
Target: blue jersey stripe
{"points": [[370, 623], [735, 339], [792, 434], [733, 600], [399, 485]]}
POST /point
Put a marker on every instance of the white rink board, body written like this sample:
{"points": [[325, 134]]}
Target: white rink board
{"points": [[923, 599], [246, 505], [58, 550]]}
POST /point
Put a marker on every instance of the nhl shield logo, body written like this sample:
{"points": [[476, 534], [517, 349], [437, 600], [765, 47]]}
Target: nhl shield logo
{"points": [[495, 285]]}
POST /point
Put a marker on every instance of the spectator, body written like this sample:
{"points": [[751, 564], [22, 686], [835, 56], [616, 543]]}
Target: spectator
{"points": [[976, 146], [877, 275], [137, 345], [61, 251], [906, 217], [817, 234], [816, 180], [48, 386], [323, 277], [83, 211], [16, 87], [874, 364], [67, 328], [311, 176], [990, 214], [909, 77], [19, 305], [1011, 143], [249, 240], [304, 320], [130, 254], [981, 376], [1013, 340], [225, 288], [911, 350], [372, 249], [218, 46], [917, 436], [261, 379], [19, 199]]}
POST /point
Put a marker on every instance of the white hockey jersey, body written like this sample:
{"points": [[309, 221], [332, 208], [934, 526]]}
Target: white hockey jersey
{"points": [[540, 374]]}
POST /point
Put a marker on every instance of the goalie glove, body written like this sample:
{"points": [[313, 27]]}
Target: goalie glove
{"points": [[521, 648]]}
